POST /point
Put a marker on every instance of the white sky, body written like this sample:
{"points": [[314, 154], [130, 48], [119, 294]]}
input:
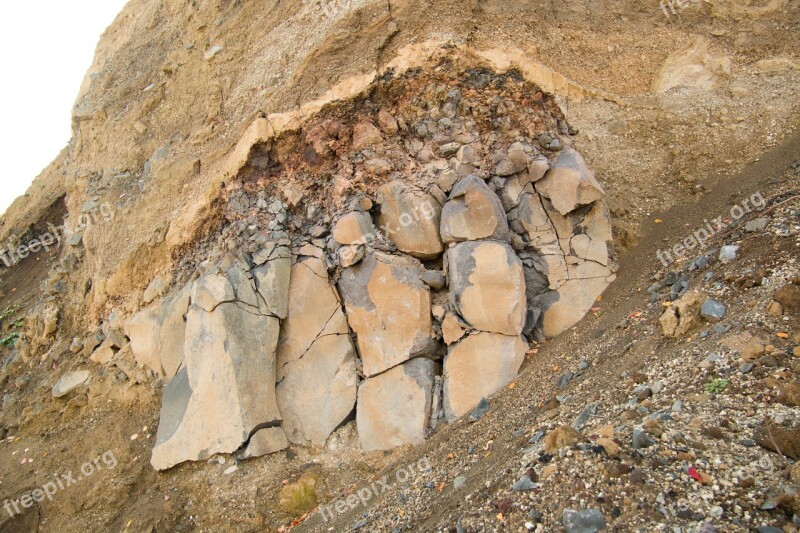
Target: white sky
{"points": [[46, 47]]}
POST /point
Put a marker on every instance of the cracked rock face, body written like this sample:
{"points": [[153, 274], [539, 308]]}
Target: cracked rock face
{"points": [[224, 390], [473, 212], [157, 334], [477, 367], [410, 219], [389, 310], [487, 286], [387, 258], [395, 407], [570, 184], [317, 381]]}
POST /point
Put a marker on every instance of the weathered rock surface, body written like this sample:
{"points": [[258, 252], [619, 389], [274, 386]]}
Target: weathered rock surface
{"points": [[682, 315], [317, 381], [157, 333], [394, 408], [572, 255], [389, 309], [410, 219], [224, 389], [69, 382], [477, 367], [473, 212], [271, 277], [264, 442], [354, 228], [487, 286], [570, 184]]}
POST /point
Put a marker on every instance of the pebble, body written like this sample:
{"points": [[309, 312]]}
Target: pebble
{"points": [[757, 224], [479, 411], [566, 378], [583, 521], [746, 367], [586, 415], [641, 439], [713, 311], [524, 483], [459, 482], [728, 253], [230, 470]]}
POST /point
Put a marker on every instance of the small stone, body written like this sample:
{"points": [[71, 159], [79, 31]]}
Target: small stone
{"points": [[610, 447], [728, 253], [713, 311], [583, 521], [561, 437], [565, 379], [774, 308], [481, 409], [212, 52], [757, 224], [76, 346], [69, 382], [586, 415], [744, 368], [524, 483], [459, 482], [351, 255], [433, 279], [641, 439]]}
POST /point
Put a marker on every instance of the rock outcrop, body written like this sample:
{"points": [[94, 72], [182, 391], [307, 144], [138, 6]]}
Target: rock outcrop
{"points": [[224, 390], [477, 367], [389, 310], [395, 407], [374, 263], [317, 381]]}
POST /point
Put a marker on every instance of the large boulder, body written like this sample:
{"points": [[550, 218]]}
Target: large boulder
{"points": [[570, 184], [389, 309], [477, 367], [410, 219], [565, 307], [473, 212], [487, 286], [317, 381], [157, 333], [225, 388], [394, 408]]}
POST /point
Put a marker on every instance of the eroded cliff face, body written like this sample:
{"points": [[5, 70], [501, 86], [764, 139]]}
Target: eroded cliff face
{"points": [[446, 219], [339, 226]]}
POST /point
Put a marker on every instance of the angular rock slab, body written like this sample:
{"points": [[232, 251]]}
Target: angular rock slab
{"points": [[477, 367], [410, 219], [473, 212], [570, 184], [389, 310], [264, 442], [272, 281], [354, 228], [317, 380], [487, 286], [157, 333], [565, 307], [224, 389], [394, 408]]}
